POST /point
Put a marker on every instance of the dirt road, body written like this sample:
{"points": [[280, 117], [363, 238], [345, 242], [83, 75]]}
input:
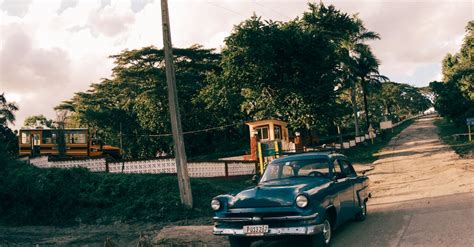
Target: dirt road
{"points": [[416, 164], [418, 184]]}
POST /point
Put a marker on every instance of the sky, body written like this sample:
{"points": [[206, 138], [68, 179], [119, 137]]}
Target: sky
{"points": [[51, 49]]}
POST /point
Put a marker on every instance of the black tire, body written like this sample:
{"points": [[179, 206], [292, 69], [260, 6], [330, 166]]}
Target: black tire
{"points": [[362, 214], [239, 242], [323, 239]]}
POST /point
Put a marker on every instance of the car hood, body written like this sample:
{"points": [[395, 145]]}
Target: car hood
{"points": [[277, 193]]}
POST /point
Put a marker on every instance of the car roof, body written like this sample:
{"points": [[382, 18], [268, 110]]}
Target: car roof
{"points": [[310, 155]]}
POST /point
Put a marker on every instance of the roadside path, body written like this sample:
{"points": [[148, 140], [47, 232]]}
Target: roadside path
{"points": [[416, 164]]}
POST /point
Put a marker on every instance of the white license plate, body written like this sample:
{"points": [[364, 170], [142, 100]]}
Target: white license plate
{"points": [[255, 230]]}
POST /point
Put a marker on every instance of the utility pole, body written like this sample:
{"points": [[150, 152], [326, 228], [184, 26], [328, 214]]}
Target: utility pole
{"points": [[180, 153], [121, 141]]}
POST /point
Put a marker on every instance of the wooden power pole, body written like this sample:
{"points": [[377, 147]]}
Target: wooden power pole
{"points": [[180, 153]]}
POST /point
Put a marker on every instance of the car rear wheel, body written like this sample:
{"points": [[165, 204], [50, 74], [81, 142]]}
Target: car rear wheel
{"points": [[240, 242], [323, 238], [362, 214]]}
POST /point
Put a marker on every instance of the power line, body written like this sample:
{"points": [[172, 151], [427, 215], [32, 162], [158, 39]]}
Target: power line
{"points": [[271, 9], [230, 10], [193, 131]]}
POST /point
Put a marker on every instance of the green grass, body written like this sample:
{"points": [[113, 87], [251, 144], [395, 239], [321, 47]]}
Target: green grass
{"points": [[459, 144], [34, 196], [365, 153]]}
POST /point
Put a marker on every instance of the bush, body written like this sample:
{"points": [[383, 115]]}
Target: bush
{"points": [[34, 196]]}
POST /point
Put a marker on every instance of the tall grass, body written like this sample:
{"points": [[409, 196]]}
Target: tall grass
{"points": [[34, 196], [448, 131]]}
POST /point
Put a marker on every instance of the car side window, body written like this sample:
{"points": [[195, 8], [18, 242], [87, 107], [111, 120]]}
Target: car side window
{"points": [[347, 169], [337, 170]]}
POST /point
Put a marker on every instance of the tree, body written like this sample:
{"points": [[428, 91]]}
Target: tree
{"points": [[350, 49], [454, 96], [287, 70], [395, 100], [7, 111], [136, 98], [366, 69], [38, 120], [8, 139]]}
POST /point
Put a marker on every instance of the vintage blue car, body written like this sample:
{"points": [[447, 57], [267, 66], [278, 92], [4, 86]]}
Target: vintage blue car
{"points": [[306, 195]]}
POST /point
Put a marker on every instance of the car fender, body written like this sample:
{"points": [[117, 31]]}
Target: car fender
{"points": [[362, 195]]}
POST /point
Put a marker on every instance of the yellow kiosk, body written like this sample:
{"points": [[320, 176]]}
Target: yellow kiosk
{"points": [[273, 134]]}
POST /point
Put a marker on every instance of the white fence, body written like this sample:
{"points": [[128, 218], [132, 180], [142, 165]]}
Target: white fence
{"points": [[198, 169], [94, 165]]}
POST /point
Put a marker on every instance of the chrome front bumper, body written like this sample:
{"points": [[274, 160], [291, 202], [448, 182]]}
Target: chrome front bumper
{"points": [[301, 230], [254, 219]]}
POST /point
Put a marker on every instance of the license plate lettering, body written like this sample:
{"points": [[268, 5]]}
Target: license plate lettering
{"points": [[255, 229]]}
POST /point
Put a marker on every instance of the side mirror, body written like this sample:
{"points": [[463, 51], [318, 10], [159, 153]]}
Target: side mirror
{"points": [[255, 178]]}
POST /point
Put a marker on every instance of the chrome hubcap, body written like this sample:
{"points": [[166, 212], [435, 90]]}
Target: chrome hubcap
{"points": [[327, 231]]}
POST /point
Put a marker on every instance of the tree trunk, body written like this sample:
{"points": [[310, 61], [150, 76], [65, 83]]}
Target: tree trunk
{"points": [[366, 106], [354, 108], [60, 140]]}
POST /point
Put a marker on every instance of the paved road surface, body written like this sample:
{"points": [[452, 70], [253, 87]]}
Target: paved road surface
{"points": [[438, 221], [434, 222]]}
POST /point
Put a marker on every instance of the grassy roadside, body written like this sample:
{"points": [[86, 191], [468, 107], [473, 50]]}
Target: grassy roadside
{"points": [[34, 196], [365, 153], [459, 144]]}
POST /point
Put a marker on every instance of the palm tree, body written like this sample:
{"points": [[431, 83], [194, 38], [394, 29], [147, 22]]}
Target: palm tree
{"points": [[351, 46], [7, 111], [367, 71]]}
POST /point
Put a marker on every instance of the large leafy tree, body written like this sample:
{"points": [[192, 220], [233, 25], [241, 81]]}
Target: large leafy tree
{"points": [[287, 70], [134, 102], [392, 100], [454, 96]]}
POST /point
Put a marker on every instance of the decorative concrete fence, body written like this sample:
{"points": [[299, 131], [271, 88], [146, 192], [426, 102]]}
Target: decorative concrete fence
{"points": [[199, 169], [94, 165], [41, 162]]}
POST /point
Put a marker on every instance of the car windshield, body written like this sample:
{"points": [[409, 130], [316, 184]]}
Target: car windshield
{"points": [[296, 168]]}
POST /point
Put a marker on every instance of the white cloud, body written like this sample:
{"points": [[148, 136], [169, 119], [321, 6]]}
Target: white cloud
{"points": [[16, 7], [66, 4], [110, 22]]}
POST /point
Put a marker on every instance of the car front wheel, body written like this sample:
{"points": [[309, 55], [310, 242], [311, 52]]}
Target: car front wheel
{"points": [[324, 237], [239, 242]]}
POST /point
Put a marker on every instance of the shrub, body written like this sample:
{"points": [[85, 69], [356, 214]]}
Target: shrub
{"points": [[34, 196]]}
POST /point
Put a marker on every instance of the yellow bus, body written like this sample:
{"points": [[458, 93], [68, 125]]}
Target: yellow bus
{"points": [[39, 141]]}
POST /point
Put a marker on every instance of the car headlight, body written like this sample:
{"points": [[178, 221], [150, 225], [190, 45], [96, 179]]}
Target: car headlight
{"points": [[215, 204], [301, 201]]}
